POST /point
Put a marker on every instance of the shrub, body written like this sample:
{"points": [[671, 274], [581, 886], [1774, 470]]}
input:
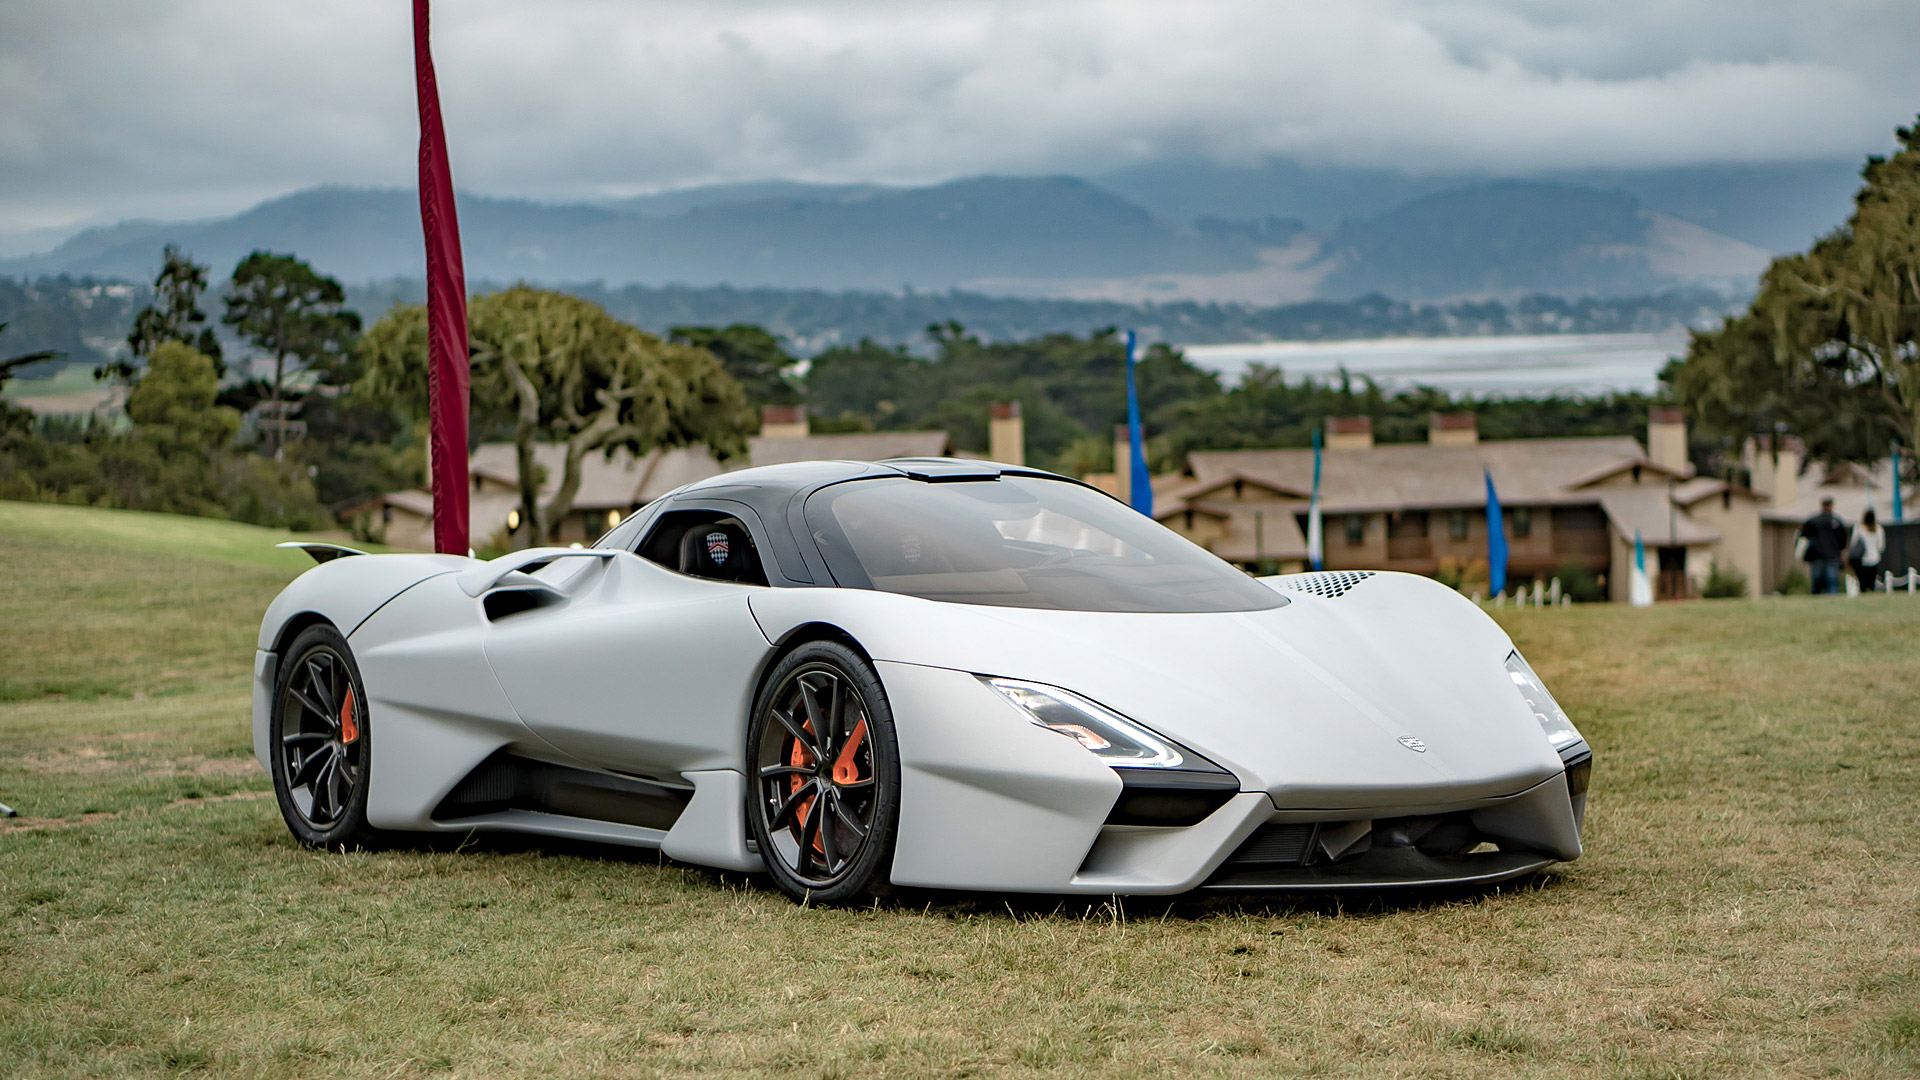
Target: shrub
{"points": [[1579, 584], [1796, 583], [1723, 582]]}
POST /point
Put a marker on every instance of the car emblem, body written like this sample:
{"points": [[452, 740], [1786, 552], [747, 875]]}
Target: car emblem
{"points": [[1413, 744], [717, 546]]}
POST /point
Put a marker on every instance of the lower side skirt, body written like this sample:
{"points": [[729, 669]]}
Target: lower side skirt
{"points": [[509, 791]]}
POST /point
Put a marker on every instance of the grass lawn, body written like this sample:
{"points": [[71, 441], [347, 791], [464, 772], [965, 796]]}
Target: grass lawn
{"points": [[1747, 905]]}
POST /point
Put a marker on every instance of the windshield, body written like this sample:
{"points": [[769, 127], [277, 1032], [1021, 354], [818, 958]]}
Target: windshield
{"points": [[1018, 541]]}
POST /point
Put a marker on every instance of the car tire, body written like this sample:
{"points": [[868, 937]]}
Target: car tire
{"points": [[824, 813], [320, 743]]}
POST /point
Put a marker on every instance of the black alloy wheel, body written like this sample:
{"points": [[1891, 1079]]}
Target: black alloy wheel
{"points": [[824, 768], [320, 741]]}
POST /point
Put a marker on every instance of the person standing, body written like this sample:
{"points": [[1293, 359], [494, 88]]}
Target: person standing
{"points": [[1868, 546], [1822, 541]]}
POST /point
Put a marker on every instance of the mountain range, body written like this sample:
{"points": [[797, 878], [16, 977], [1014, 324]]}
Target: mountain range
{"points": [[1264, 234]]}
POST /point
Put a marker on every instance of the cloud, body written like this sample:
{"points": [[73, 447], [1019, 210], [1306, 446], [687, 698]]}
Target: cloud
{"points": [[202, 106]]}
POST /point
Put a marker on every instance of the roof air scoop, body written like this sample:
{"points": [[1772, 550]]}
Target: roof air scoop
{"points": [[320, 552]]}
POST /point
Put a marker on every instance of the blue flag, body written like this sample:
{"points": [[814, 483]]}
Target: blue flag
{"points": [[1496, 541], [1639, 588], [1899, 514], [1139, 484]]}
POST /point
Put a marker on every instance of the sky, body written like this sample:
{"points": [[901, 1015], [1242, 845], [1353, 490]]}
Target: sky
{"points": [[112, 109]]}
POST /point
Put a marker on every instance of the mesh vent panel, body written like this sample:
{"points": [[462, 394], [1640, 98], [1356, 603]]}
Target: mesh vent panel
{"points": [[1329, 583], [1273, 845]]}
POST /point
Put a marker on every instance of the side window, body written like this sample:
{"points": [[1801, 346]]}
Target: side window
{"points": [[708, 544]]}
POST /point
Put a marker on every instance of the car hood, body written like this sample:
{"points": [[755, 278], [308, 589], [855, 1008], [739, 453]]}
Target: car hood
{"points": [[1392, 694]]}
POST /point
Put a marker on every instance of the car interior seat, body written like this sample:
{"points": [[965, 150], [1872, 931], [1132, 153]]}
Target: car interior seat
{"points": [[718, 550]]}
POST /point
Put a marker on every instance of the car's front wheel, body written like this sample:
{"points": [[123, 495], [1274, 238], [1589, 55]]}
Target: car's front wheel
{"points": [[824, 776], [321, 744]]}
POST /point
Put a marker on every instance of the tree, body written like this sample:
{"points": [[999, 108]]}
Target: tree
{"points": [[1829, 350], [173, 407], [562, 369], [175, 316], [172, 459], [292, 313], [1071, 388], [12, 364], [757, 360], [11, 416]]}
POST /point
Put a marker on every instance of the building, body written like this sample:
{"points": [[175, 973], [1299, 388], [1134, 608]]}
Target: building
{"points": [[1421, 507], [1790, 491], [611, 487], [786, 435]]}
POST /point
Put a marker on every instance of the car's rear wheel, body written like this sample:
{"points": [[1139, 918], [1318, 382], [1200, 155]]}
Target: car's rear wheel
{"points": [[824, 776], [320, 741]]}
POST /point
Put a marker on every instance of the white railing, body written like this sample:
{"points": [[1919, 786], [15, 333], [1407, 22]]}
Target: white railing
{"points": [[1540, 596], [1908, 582]]}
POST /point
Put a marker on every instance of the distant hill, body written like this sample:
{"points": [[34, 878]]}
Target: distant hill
{"points": [[669, 203], [1277, 234], [932, 237], [1776, 207]]}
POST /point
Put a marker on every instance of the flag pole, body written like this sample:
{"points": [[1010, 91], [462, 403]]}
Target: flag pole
{"points": [[447, 371], [1315, 545], [1140, 484]]}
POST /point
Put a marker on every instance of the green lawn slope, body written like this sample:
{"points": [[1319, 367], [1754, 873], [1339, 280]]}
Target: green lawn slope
{"points": [[83, 528]]}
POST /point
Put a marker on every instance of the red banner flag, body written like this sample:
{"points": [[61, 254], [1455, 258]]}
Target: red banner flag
{"points": [[447, 373]]}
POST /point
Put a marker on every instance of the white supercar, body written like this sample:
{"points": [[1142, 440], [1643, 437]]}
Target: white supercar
{"points": [[929, 672]]}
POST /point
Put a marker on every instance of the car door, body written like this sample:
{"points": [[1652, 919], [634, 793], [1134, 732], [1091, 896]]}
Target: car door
{"points": [[632, 667]]}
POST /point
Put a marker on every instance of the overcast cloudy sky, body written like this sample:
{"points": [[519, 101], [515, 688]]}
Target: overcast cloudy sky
{"points": [[115, 108]]}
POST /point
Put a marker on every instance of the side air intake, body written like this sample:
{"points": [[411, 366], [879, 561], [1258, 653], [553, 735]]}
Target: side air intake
{"points": [[508, 782]]}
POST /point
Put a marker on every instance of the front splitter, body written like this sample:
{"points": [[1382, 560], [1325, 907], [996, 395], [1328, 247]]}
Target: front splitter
{"points": [[1390, 868]]}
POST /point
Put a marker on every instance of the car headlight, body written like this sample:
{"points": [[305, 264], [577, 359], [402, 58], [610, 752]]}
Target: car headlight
{"points": [[1111, 737], [1553, 719]]}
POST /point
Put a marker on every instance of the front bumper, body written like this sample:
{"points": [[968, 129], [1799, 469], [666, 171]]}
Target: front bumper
{"points": [[990, 801], [1508, 839]]}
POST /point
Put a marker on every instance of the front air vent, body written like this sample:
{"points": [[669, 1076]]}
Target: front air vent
{"points": [[1327, 583], [1272, 846]]}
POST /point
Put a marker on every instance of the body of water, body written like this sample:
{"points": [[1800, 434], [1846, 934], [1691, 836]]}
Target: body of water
{"points": [[1530, 365]]}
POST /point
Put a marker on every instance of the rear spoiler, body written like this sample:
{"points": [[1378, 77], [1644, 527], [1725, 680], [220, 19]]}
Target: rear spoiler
{"points": [[320, 552]]}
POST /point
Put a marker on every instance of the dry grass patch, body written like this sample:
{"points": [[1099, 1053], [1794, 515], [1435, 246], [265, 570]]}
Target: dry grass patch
{"points": [[1745, 907]]}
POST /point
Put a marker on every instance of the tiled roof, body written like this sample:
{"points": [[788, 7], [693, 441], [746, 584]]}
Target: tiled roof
{"points": [[1852, 487], [1652, 514], [1403, 476], [861, 446], [614, 482]]}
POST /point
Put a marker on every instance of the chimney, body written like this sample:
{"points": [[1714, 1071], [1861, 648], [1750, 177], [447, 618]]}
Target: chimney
{"points": [[1123, 463], [1006, 433], [1773, 468], [1667, 438], [1786, 471], [1758, 461], [1453, 429], [783, 422], [1349, 433]]}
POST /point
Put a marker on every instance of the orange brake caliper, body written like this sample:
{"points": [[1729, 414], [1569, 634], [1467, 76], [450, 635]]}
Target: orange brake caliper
{"points": [[845, 771], [800, 758], [349, 725]]}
